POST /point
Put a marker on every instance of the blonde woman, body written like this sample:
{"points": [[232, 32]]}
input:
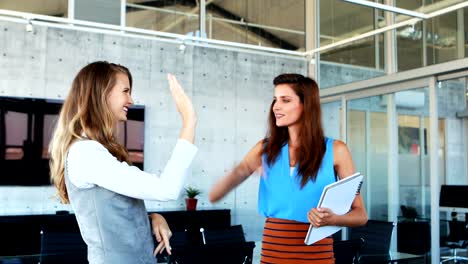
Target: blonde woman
{"points": [[90, 169]]}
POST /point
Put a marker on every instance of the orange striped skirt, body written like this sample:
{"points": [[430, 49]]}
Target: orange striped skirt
{"points": [[283, 242]]}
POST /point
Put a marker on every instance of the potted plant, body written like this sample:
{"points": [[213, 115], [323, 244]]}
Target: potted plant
{"points": [[191, 200]]}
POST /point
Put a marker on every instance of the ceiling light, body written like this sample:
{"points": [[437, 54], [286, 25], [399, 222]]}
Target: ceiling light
{"points": [[182, 48]]}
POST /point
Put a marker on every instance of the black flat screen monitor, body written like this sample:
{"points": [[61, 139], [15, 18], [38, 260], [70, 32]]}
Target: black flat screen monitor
{"points": [[454, 198], [26, 127]]}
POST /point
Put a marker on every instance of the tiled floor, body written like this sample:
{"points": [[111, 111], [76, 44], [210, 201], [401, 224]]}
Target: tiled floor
{"points": [[255, 257], [444, 252]]}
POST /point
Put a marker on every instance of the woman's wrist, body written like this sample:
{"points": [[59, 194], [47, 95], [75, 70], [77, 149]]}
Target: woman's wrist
{"points": [[187, 134], [190, 124], [155, 216]]}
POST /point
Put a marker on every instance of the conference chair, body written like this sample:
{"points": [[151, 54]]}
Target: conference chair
{"points": [[347, 251], [377, 236]]}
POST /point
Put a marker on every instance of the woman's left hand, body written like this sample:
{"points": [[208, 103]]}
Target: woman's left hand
{"points": [[321, 217], [162, 232]]}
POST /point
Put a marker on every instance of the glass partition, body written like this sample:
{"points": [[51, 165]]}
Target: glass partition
{"points": [[465, 29], [368, 143], [340, 20], [432, 41], [413, 153], [331, 119], [425, 6], [442, 38], [453, 151], [435, 40], [278, 24], [56, 8], [173, 16], [411, 50], [452, 96], [366, 53]]}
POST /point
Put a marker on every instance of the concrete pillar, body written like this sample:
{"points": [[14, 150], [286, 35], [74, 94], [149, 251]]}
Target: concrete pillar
{"points": [[312, 36]]}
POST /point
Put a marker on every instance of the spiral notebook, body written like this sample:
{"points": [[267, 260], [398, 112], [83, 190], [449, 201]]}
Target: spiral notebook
{"points": [[339, 197]]}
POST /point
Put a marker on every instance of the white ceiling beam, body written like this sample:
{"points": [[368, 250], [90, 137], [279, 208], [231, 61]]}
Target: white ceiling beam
{"points": [[388, 8]]}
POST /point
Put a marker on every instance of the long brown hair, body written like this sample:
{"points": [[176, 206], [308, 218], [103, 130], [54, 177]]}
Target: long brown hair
{"points": [[311, 139], [86, 114]]}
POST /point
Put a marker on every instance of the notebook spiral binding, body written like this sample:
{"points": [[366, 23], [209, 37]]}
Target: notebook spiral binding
{"points": [[359, 188]]}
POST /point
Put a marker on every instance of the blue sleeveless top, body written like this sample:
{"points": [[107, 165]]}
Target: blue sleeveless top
{"points": [[280, 194]]}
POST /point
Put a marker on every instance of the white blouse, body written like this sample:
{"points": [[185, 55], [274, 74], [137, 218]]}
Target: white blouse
{"points": [[89, 164]]}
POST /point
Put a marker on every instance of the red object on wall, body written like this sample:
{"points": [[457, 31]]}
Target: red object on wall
{"points": [[415, 148]]}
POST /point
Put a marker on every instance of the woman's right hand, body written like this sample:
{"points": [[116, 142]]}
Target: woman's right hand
{"points": [[321, 217], [251, 162], [185, 107]]}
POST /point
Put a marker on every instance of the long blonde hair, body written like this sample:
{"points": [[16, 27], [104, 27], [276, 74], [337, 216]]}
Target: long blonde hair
{"points": [[86, 114]]}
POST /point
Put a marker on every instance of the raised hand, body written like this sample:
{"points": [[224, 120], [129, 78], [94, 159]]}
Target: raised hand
{"points": [[183, 103], [185, 107]]}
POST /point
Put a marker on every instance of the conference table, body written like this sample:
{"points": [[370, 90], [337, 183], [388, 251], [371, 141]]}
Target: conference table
{"points": [[392, 257]]}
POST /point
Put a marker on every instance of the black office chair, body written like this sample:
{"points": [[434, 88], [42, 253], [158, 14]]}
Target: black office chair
{"points": [[347, 251], [457, 239], [20, 238], [181, 243], [217, 246], [62, 247], [453, 197], [414, 237], [377, 236]]}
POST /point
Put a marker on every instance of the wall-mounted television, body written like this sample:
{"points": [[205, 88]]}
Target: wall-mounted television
{"points": [[26, 127]]}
